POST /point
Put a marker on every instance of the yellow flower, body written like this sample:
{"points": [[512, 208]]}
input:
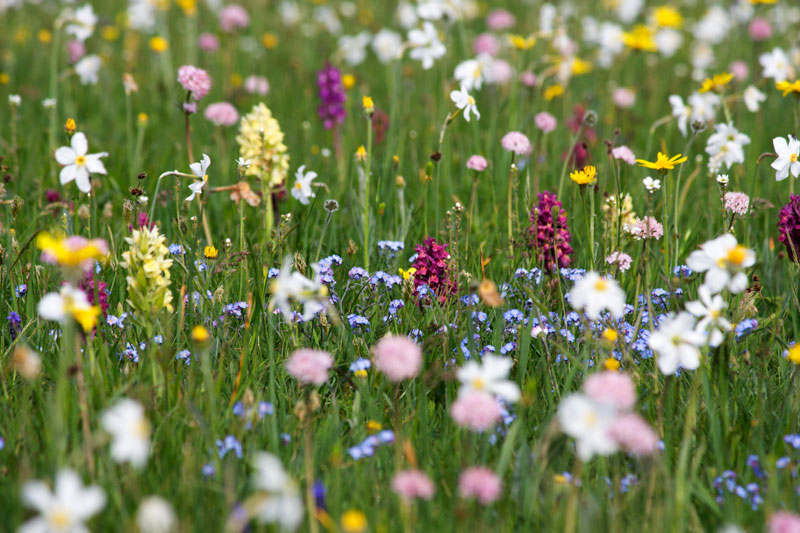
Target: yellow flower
{"points": [[86, 316], [209, 252], [553, 91], [788, 87], [354, 521], [793, 354], [374, 426], [142, 118], [348, 81], [667, 17], [158, 44], [73, 253], [522, 43], [269, 40], [189, 7], [640, 38], [4, 78], [610, 335], [44, 36], [584, 177], [663, 162], [755, 2], [716, 83], [110, 33], [408, 274], [580, 66], [69, 126], [611, 364], [361, 153], [236, 80], [369, 105], [200, 334]]}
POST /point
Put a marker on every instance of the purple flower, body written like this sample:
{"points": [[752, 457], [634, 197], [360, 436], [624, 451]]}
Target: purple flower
{"points": [[789, 226], [550, 233], [331, 95], [432, 264]]}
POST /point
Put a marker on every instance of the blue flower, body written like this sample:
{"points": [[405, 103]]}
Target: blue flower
{"points": [[21, 290], [176, 249], [185, 356], [358, 273], [745, 327], [229, 444]]}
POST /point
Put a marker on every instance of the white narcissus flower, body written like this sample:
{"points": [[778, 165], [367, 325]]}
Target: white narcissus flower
{"points": [[387, 45], [752, 98], [82, 23], [88, 69], [78, 165], [788, 152], [279, 500], [465, 102], [676, 342], [709, 309], [725, 145], [291, 286], [64, 510], [155, 515], [302, 186], [776, 65], [490, 375], [353, 48], [200, 170], [594, 293], [588, 422], [472, 73], [680, 111], [723, 260], [130, 430], [425, 44]]}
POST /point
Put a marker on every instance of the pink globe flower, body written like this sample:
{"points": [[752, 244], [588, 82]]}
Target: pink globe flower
{"points": [[309, 367], [739, 69], [475, 410], [486, 43], [634, 435], [614, 388], [545, 121], [517, 143], [75, 51], [624, 98], [233, 17], [759, 29], [649, 228], [410, 484], [222, 114], [398, 357], [480, 483], [208, 42], [737, 202], [195, 80], [502, 72], [784, 522], [621, 259], [500, 19], [477, 163], [528, 79], [256, 85], [624, 153]]}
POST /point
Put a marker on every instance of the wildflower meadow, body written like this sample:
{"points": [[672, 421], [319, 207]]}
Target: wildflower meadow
{"points": [[399, 265]]}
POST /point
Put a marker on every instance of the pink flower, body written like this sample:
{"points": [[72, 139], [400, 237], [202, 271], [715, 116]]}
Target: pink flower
{"points": [[500, 19], [398, 357], [477, 163], [485, 43], [501, 71], [624, 153], [760, 29], [75, 51], [528, 79], [649, 228], [256, 85], [480, 483], [739, 70], [208, 42], [309, 366], [624, 98], [194, 80], [410, 484], [614, 388], [633, 434], [475, 410], [233, 17], [545, 122], [784, 522], [621, 259], [222, 114], [516, 142], [737, 202]]}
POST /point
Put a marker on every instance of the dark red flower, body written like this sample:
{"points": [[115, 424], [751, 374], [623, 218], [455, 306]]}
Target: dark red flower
{"points": [[432, 269], [789, 227], [550, 232]]}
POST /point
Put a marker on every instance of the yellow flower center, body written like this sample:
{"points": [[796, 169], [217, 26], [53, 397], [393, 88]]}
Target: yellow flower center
{"points": [[600, 285], [80, 160], [471, 101], [590, 418], [793, 158], [736, 255], [298, 186], [478, 384], [142, 428], [715, 314], [59, 519]]}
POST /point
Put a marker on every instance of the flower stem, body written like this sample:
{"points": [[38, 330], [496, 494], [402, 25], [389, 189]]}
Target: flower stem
{"points": [[367, 176]]}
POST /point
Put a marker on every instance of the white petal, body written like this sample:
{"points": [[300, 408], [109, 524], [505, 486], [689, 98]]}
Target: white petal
{"points": [[95, 166], [51, 307], [36, 494], [80, 144], [82, 180], [65, 155], [67, 174]]}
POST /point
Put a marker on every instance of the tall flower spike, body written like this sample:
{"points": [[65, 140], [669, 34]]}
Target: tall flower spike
{"points": [[550, 233], [432, 269], [789, 227], [332, 96]]}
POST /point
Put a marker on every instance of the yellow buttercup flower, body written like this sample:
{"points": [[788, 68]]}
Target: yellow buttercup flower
{"points": [[788, 87], [667, 17], [158, 44], [369, 105], [407, 274], [585, 176], [553, 91], [610, 335], [755, 2], [200, 334], [189, 7], [71, 252], [4, 78], [611, 364], [793, 354], [361, 153], [640, 38], [236, 80], [348, 81], [354, 521], [209, 252], [716, 83], [44, 36], [142, 118], [522, 43], [662, 162], [109, 33], [69, 126], [374, 426], [269, 40], [580, 66]]}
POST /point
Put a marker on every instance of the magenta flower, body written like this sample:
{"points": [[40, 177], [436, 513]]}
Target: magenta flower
{"points": [[759, 29], [480, 483], [309, 367], [789, 227], [477, 163], [432, 270], [88, 285], [195, 80], [411, 484], [332, 96], [550, 232], [398, 357], [516, 143], [475, 410], [222, 114]]}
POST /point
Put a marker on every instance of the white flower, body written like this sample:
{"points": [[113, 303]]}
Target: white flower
{"points": [[426, 46], [62, 511], [78, 165], [752, 98], [406, 15], [438, 9], [280, 501], [302, 185], [353, 48], [60, 306], [49, 103], [714, 26], [680, 111], [723, 260], [776, 65], [141, 15], [82, 23], [465, 102], [588, 422], [243, 163], [387, 45], [628, 10], [651, 185], [473, 73], [291, 286], [490, 375], [14, 100], [725, 145], [668, 41], [130, 430], [709, 310], [201, 171], [722, 179], [788, 153], [704, 106], [88, 68], [594, 293], [290, 13], [676, 343], [155, 515], [326, 16]]}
